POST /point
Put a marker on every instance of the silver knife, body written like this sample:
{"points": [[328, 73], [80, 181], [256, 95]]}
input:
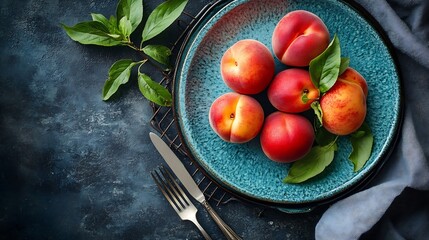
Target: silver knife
{"points": [[188, 182]]}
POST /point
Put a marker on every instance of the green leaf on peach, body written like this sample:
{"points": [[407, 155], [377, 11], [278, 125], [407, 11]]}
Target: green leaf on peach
{"points": [[345, 62], [317, 111], [324, 69], [362, 141], [312, 164], [323, 136]]}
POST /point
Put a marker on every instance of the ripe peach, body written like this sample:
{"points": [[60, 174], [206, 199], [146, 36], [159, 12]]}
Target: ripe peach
{"points": [[247, 67], [236, 118], [299, 37], [288, 88], [286, 137], [343, 107], [352, 75]]}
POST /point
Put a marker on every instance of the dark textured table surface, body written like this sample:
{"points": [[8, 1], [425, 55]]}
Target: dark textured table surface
{"points": [[76, 167]]}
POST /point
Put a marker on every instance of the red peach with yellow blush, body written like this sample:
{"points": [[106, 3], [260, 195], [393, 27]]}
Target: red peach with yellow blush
{"points": [[236, 118], [343, 107], [292, 91], [352, 75], [286, 137], [299, 37], [247, 67]]}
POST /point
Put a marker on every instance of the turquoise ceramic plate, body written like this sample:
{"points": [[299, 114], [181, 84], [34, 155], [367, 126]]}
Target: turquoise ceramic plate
{"points": [[243, 169]]}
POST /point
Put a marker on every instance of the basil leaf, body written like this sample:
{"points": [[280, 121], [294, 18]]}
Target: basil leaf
{"points": [[162, 17], [110, 24], [312, 164], [159, 53], [114, 24], [92, 32], [345, 62], [324, 69], [362, 141], [100, 18], [125, 27], [119, 73], [154, 91], [132, 10]]}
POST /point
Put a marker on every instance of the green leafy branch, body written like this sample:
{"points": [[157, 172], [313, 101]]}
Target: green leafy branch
{"points": [[324, 71], [117, 30]]}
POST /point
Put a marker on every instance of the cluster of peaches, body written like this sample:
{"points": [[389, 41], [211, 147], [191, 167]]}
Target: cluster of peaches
{"points": [[248, 68]]}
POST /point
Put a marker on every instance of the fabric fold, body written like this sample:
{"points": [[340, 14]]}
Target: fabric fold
{"points": [[401, 33], [355, 215]]}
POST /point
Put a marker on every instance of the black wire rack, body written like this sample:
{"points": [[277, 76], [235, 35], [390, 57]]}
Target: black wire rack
{"points": [[163, 120]]}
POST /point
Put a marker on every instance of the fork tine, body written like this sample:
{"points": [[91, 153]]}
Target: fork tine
{"points": [[172, 189], [161, 185], [175, 196], [176, 187]]}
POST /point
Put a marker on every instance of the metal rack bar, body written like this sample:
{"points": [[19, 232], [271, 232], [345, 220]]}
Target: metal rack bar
{"points": [[163, 122]]}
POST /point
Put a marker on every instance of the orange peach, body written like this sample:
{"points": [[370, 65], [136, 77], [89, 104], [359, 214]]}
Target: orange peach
{"points": [[352, 75], [299, 37], [286, 137], [236, 118], [343, 107], [292, 91], [247, 67]]}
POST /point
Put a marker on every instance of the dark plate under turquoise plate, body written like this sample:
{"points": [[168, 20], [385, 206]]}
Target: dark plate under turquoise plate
{"points": [[243, 169]]}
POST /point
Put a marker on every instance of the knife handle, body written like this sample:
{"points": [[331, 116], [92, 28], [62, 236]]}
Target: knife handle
{"points": [[227, 231]]}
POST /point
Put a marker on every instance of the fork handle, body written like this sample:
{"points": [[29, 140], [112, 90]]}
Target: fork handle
{"points": [[205, 234], [227, 231]]}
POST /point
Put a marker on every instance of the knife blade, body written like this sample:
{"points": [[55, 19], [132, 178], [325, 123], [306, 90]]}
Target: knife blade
{"points": [[188, 182], [177, 166]]}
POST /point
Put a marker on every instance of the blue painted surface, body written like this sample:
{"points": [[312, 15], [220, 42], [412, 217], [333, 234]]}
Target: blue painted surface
{"points": [[75, 167]]}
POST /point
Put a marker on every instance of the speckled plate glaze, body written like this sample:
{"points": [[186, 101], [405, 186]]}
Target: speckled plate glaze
{"points": [[243, 169]]}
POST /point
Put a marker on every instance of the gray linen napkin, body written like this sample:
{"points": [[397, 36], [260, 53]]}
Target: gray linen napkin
{"points": [[407, 25]]}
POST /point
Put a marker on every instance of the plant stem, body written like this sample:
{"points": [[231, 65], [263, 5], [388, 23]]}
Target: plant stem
{"points": [[132, 46], [144, 56]]}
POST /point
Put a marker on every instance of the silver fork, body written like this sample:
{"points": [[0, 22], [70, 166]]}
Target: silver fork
{"points": [[177, 197]]}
